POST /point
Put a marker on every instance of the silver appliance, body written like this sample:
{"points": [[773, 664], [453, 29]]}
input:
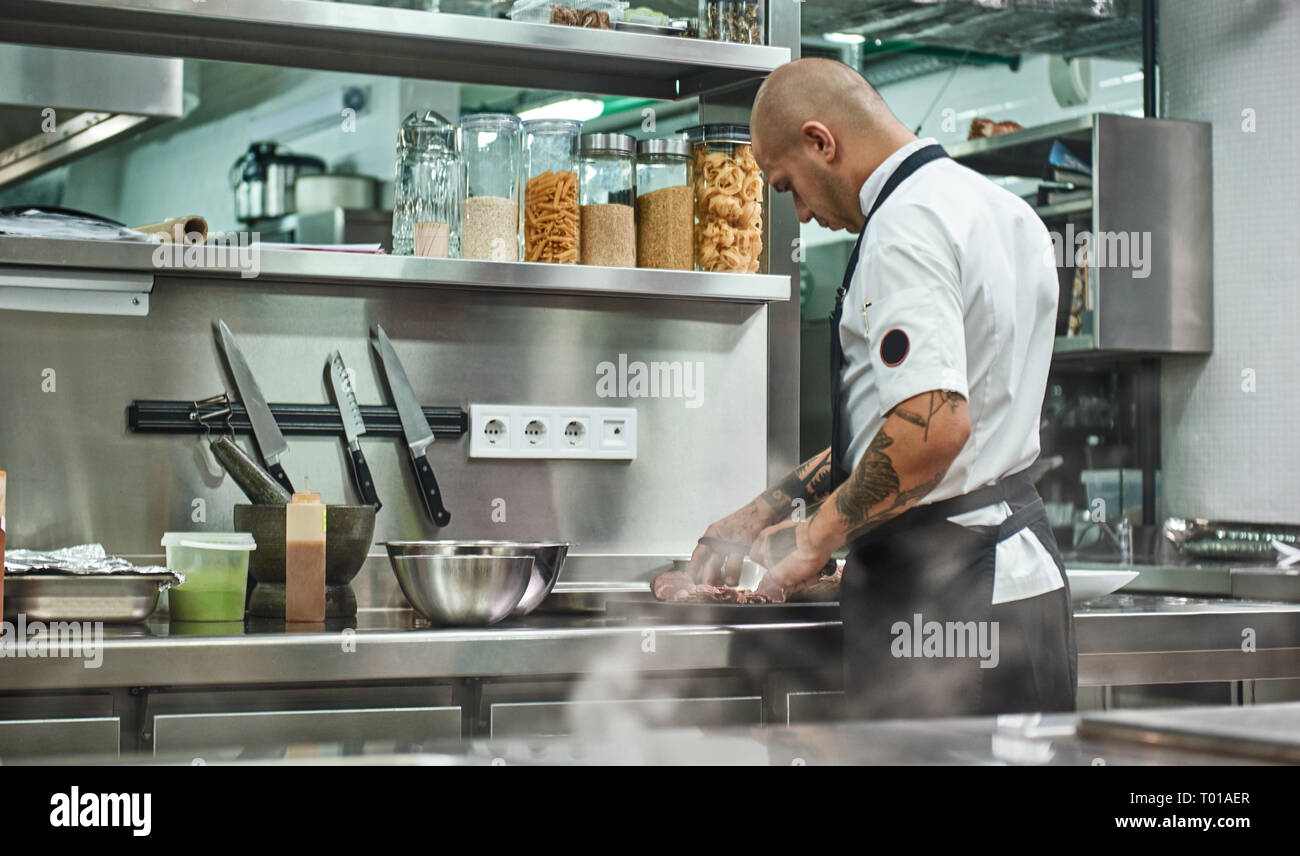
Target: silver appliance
{"points": [[263, 180]]}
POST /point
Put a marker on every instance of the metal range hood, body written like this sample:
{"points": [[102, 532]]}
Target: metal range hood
{"points": [[57, 104]]}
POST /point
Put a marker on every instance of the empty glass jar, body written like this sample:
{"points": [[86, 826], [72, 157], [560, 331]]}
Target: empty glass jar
{"points": [[491, 157], [607, 192], [426, 188]]}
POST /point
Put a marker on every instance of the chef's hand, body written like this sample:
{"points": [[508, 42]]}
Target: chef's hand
{"points": [[792, 560], [741, 527]]}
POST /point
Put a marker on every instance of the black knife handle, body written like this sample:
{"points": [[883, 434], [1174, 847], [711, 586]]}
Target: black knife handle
{"points": [[277, 472], [363, 480], [429, 490]]}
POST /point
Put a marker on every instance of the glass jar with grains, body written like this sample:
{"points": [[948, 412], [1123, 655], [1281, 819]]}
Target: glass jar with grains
{"points": [[551, 190], [665, 199], [426, 188], [728, 199], [607, 192], [732, 21], [490, 156]]}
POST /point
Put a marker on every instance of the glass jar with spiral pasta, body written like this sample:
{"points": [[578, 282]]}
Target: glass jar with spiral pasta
{"points": [[728, 199]]}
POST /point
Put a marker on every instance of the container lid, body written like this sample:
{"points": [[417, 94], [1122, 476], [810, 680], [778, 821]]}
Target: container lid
{"points": [[473, 120], [425, 130], [210, 540], [722, 132], [620, 144], [671, 146], [533, 126]]}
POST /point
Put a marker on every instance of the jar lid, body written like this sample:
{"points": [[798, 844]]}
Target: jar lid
{"points": [[425, 130], [670, 146], [722, 132], [533, 126], [619, 144], [474, 120]]}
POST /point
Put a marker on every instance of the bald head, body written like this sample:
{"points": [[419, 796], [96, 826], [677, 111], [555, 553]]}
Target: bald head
{"points": [[819, 130]]}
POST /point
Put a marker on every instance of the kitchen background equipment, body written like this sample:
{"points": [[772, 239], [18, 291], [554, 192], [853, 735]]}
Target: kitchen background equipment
{"points": [[419, 437], [270, 442], [462, 583], [349, 531], [426, 180], [263, 180], [353, 427], [110, 598], [327, 191], [548, 562]]}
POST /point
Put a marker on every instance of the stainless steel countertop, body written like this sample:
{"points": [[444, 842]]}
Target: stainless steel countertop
{"points": [[1123, 639], [1015, 740]]}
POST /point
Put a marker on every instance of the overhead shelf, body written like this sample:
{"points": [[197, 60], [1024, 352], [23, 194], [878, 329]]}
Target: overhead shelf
{"points": [[1025, 153], [34, 255], [401, 42]]}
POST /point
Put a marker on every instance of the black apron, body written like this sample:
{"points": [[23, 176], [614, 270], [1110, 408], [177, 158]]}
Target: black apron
{"points": [[922, 636]]}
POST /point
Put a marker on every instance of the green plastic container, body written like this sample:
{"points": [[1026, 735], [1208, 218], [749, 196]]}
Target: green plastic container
{"points": [[215, 565]]}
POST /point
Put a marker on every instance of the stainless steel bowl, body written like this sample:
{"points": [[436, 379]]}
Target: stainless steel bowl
{"points": [[461, 582], [548, 560]]}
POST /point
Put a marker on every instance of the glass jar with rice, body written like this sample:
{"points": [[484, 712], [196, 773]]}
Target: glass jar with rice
{"points": [[607, 192], [728, 199], [491, 157]]}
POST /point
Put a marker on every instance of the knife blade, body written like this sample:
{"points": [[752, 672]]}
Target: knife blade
{"points": [[270, 442], [419, 437], [353, 427]]}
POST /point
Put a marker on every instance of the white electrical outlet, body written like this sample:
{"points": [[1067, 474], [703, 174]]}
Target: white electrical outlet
{"points": [[538, 431]]}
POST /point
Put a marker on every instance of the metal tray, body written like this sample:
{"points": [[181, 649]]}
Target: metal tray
{"points": [[1260, 733], [588, 596], [720, 613], [111, 598]]}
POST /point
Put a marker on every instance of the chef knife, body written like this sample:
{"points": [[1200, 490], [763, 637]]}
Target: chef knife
{"points": [[419, 437], [270, 442], [353, 427]]}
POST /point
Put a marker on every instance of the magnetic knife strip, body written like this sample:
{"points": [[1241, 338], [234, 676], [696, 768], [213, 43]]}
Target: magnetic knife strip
{"points": [[182, 417]]}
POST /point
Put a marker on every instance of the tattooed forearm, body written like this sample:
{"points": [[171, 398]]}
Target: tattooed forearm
{"points": [[874, 481], [810, 481]]}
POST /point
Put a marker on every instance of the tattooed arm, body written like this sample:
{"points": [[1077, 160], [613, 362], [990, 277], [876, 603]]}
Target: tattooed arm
{"points": [[810, 482], [905, 461]]}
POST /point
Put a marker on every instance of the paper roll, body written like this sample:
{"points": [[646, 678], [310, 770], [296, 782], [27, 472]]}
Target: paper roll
{"points": [[179, 230], [431, 239]]}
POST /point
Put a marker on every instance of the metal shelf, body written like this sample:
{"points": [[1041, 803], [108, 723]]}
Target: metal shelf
{"points": [[1024, 153], [275, 265], [403, 42], [1062, 209]]}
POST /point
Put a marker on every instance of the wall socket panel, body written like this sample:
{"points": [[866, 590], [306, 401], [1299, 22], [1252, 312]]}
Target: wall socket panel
{"points": [[539, 431]]}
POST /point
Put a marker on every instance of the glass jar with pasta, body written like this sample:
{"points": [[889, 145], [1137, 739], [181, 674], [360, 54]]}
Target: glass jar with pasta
{"points": [[551, 190], [728, 199]]}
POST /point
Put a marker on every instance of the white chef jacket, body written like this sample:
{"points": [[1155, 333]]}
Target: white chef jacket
{"points": [[960, 293]]}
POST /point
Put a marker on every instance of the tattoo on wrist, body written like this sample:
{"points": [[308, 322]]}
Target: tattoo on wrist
{"points": [[810, 481]]}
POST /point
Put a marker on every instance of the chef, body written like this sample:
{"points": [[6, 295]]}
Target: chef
{"points": [[954, 597]]}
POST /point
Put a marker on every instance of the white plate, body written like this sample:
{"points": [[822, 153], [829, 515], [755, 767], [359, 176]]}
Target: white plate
{"points": [[1087, 584]]}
